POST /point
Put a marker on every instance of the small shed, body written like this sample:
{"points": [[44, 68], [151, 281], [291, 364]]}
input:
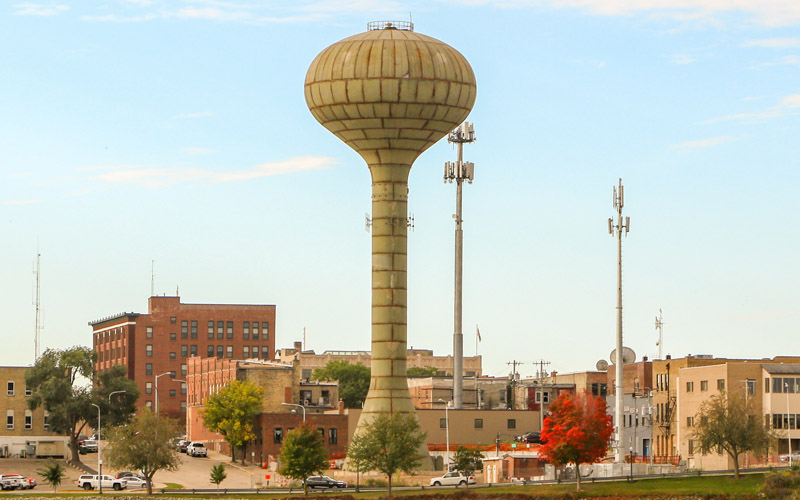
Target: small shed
{"points": [[512, 466]]}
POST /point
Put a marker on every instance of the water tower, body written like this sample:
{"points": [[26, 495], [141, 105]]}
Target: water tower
{"points": [[389, 94]]}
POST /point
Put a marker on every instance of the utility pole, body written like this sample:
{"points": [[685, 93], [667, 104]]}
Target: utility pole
{"points": [[616, 229], [541, 374], [37, 333], [459, 172], [514, 365]]}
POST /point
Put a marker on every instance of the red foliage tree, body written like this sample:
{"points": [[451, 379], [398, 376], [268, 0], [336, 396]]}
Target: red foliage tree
{"points": [[577, 431]]}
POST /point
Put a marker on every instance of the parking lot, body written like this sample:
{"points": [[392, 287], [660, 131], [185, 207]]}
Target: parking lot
{"points": [[193, 472]]}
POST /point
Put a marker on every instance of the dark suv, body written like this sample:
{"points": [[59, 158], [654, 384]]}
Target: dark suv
{"points": [[530, 437], [324, 482]]}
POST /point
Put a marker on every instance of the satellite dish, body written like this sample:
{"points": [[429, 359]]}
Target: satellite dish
{"points": [[628, 356], [602, 365]]}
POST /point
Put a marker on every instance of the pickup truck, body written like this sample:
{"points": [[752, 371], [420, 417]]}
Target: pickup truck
{"points": [[90, 482], [12, 482]]}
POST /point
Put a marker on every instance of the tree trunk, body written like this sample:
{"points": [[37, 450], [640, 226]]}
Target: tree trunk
{"points": [[735, 465], [389, 476], [233, 454], [149, 483], [578, 476], [73, 448]]}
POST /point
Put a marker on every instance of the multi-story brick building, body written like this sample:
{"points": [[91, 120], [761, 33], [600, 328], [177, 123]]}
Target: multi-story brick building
{"points": [[160, 343], [25, 432]]}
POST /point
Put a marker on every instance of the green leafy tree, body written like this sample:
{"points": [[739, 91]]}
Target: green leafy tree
{"points": [[53, 474], [59, 383], [144, 445], [727, 423], [232, 410], [303, 453], [577, 430], [422, 371], [391, 444], [353, 380], [358, 456], [467, 461], [218, 474]]}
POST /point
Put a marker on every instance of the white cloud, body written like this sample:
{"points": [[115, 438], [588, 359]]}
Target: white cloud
{"points": [[773, 43], [705, 143], [786, 105], [159, 177], [682, 59], [785, 61], [196, 114], [36, 9]]}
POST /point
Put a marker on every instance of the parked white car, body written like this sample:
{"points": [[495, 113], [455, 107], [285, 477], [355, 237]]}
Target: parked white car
{"points": [[135, 482], [452, 479], [91, 482], [795, 457], [196, 450], [13, 482]]}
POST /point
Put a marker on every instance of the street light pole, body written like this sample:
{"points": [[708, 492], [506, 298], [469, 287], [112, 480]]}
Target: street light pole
{"points": [[99, 459], [157, 377], [299, 406], [447, 430]]}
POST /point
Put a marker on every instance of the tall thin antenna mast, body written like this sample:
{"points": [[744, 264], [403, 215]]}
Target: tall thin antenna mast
{"points": [[37, 335], [152, 278], [459, 171], [616, 229], [660, 329], [304, 338]]}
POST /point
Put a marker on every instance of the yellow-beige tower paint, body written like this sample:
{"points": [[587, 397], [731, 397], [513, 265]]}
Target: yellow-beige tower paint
{"points": [[389, 94]]}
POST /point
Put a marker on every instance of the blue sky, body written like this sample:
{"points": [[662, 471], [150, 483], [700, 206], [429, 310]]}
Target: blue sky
{"points": [[176, 132]]}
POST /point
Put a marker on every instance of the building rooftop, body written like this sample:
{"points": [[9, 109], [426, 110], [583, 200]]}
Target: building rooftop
{"points": [[792, 368]]}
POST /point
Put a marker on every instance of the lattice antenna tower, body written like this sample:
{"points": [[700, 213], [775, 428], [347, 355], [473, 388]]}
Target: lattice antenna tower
{"points": [[38, 326], [660, 330]]}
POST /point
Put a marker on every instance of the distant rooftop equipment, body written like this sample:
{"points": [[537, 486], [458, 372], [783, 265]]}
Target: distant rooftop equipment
{"points": [[390, 25], [602, 365], [628, 355]]}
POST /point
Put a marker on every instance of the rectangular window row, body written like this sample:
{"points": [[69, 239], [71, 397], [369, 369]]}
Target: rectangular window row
{"points": [[333, 434], [785, 421], [790, 385]]}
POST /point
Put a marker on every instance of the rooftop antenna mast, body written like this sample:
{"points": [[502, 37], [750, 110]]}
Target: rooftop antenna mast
{"points": [[152, 278], [617, 229], [660, 329], [37, 335], [459, 171]]}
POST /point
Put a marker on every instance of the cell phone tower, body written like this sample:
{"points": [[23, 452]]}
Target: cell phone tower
{"points": [[389, 93], [617, 229]]}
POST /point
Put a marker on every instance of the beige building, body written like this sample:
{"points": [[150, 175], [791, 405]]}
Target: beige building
{"points": [[422, 358], [485, 393], [769, 386], [25, 432]]}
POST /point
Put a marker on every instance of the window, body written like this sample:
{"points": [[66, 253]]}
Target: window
{"points": [[148, 350], [220, 329], [777, 385], [689, 386], [720, 384], [46, 420], [479, 423], [443, 423], [255, 351], [172, 355], [277, 435], [210, 352], [9, 419], [246, 351], [333, 436], [229, 351], [173, 336], [229, 329], [172, 393], [512, 423], [183, 388], [689, 421], [193, 350], [691, 447], [322, 433], [766, 385], [211, 329], [183, 406], [183, 370], [265, 330], [194, 329], [704, 385], [28, 420], [220, 351], [173, 319], [184, 329], [172, 374], [265, 351], [184, 351], [148, 332], [148, 369], [777, 421], [148, 404], [255, 330], [751, 387], [10, 388], [148, 388], [788, 385], [246, 330], [28, 391]]}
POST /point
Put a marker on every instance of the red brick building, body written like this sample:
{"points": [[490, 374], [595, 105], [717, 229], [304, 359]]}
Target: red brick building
{"points": [[160, 343]]}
